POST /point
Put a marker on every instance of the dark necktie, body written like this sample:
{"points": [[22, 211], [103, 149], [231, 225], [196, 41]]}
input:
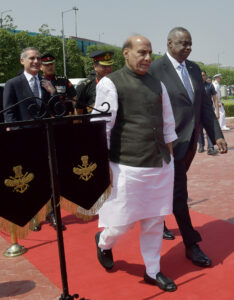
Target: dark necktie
{"points": [[186, 81], [35, 89]]}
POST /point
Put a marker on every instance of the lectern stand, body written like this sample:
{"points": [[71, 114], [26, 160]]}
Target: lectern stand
{"points": [[51, 117]]}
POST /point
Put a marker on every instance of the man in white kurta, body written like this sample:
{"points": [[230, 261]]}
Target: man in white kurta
{"points": [[138, 193]]}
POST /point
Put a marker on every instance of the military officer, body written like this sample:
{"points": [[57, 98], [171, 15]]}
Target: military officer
{"points": [[62, 85], [86, 91]]}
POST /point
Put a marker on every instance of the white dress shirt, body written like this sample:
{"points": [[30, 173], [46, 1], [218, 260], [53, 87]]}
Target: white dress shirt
{"points": [[176, 64], [29, 78]]}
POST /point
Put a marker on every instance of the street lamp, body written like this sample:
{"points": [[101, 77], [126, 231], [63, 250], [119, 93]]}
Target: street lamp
{"points": [[64, 53], [75, 9], [99, 36], [5, 11], [219, 60]]}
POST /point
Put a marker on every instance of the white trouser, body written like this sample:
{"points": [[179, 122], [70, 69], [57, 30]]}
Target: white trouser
{"points": [[222, 121], [150, 241]]}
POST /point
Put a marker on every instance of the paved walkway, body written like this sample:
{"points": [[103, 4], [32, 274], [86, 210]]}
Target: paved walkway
{"points": [[211, 191]]}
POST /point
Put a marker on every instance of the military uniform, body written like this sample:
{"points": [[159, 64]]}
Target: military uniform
{"points": [[86, 91], [86, 94], [62, 85], [66, 90]]}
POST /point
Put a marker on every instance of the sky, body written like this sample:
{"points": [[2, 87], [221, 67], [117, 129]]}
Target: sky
{"points": [[111, 21]]}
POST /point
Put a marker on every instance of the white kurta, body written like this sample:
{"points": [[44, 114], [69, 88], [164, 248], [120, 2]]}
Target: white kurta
{"points": [[137, 193]]}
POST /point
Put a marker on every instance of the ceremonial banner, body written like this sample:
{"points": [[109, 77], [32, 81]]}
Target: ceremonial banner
{"points": [[24, 174], [83, 165]]}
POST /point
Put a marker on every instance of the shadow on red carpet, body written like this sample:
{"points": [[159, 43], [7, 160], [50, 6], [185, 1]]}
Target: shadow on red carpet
{"points": [[125, 281]]}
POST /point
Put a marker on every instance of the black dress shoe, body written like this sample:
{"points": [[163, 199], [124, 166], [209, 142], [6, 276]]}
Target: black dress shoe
{"points": [[50, 218], [201, 149], [195, 254], [212, 151], [37, 228], [105, 257], [167, 234], [163, 282]]}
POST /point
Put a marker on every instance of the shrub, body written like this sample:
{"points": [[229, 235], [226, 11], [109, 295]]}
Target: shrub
{"points": [[229, 107]]}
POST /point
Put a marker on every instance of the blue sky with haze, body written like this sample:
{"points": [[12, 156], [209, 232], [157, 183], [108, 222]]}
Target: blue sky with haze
{"points": [[111, 21]]}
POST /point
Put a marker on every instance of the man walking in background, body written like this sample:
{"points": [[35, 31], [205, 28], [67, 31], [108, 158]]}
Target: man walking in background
{"points": [[212, 95], [216, 83]]}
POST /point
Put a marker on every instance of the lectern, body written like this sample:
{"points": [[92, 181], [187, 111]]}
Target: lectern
{"points": [[53, 155]]}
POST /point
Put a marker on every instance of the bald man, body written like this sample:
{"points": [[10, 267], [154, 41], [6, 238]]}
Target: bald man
{"points": [[140, 135], [191, 106]]}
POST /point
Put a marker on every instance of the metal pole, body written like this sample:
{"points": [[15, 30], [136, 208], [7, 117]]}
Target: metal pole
{"points": [[56, 205], [64, 54], [75, 9]]}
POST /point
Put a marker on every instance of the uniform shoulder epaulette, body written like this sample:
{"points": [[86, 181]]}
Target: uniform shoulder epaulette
{"points": [[86, 81]]}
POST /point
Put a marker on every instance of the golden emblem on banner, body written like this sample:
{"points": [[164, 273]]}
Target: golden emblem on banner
{"points": [[20, 181], [86, 170]]}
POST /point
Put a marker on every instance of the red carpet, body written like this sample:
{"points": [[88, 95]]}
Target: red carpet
{"points": [[90, 280]]}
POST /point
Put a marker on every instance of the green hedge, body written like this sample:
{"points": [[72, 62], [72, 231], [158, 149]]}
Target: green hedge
{"points": [[229, 107]]}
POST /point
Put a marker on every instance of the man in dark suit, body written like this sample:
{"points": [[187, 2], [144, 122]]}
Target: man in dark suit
{"points": [[190, 104], [27, 84]]}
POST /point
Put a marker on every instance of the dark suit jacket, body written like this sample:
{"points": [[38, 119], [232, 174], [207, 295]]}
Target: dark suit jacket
{"points": [[17, 89], [187, 114]]}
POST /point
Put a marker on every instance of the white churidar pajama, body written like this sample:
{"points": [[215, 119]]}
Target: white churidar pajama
{"points": [[138, 194]]}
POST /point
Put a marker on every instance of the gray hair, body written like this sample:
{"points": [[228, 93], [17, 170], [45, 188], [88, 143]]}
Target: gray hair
{"points": [[175, 30], [23, 52]]}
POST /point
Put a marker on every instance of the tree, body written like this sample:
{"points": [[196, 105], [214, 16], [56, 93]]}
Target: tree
{"points": [[75, 66], [9, 57], [44, 29], [8, 23]]}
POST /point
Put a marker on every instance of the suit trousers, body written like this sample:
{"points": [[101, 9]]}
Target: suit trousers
{"points": [[150, 241], [180, 206]]}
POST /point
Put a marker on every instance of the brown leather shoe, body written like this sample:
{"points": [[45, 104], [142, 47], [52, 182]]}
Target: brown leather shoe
{"points": [[163, 282]]}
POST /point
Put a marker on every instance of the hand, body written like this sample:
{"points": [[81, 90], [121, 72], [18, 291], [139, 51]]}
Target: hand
{"points": [[48, 86], [217, 116], [222, 145]]}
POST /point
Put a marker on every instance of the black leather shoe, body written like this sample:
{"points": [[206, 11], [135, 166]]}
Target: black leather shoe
{"points": [[200, 149], [50, 218], [167, 234], [37, 228], [195, 254], [105, 257], [163, 282], [212, 151]]}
